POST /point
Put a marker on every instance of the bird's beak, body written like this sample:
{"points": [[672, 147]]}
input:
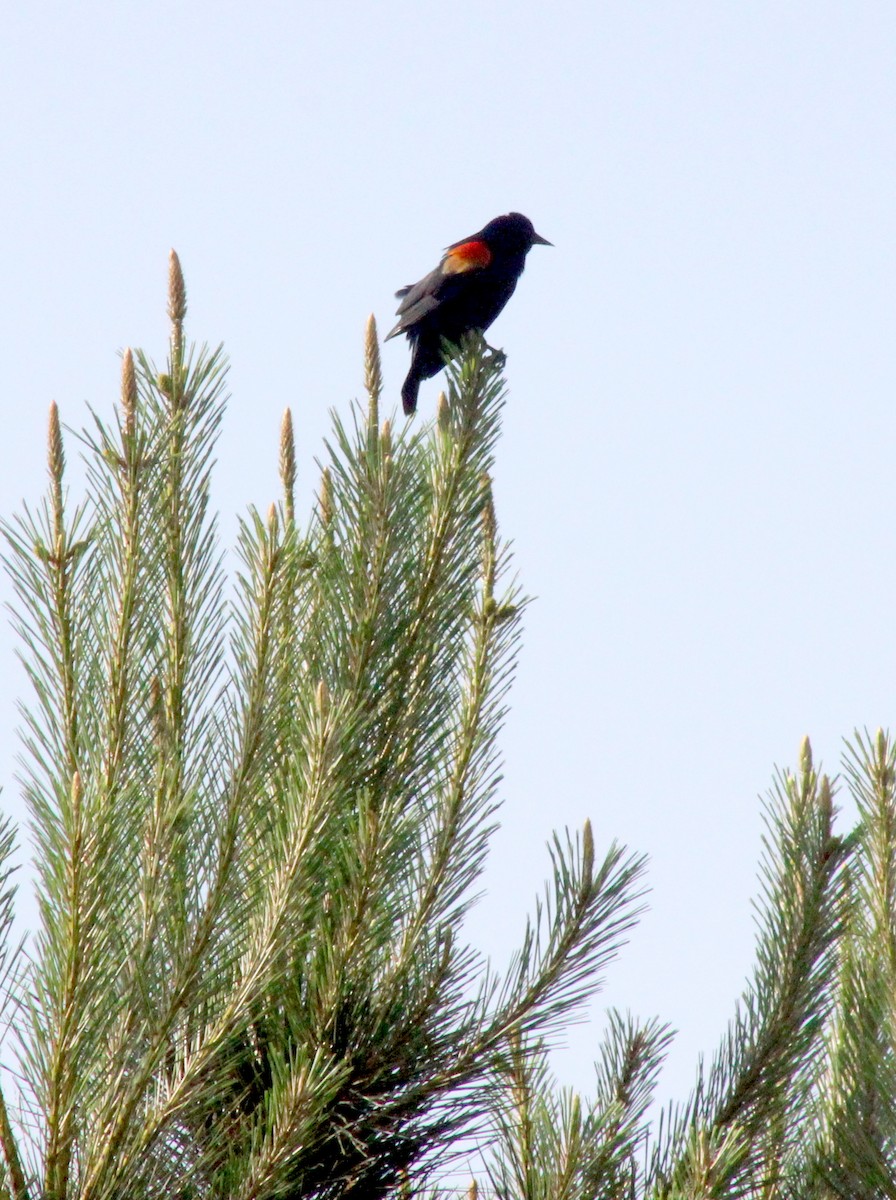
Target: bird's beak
{"points": [[538, 240]]}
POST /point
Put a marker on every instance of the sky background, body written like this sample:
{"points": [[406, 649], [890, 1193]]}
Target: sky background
{"points": [[697, 461]]}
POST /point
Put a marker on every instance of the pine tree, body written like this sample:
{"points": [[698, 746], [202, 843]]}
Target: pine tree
{"points": [[259, 824], [260, 810]]}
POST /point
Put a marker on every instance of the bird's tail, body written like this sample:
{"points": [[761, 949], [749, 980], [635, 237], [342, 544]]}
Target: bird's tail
{"points": [[409, 390]]}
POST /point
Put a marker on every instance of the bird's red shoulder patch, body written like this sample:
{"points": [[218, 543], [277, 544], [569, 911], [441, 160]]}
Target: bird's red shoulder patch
{"points": [[467, 256]]}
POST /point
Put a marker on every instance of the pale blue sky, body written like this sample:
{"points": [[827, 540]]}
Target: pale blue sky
{"points": [[697, 461]]}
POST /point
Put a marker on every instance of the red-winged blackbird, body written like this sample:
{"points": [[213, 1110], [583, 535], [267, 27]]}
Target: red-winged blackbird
{"points": [[467, 290]]}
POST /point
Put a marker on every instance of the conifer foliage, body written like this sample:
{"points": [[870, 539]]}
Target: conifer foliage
{"points": [[260, 808], [259, 825]]}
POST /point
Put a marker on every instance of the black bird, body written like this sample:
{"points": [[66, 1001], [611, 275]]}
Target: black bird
{"points": [[467, 290]]}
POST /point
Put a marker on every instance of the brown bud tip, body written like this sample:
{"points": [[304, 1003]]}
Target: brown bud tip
{"points": [[826, 800], [443, 412], [177, 292], [473, 1193], [55, 453], [287, 452], [76, 790], [489, 520], [373, 373], [881, 739], [806, 756], [326, 496], [323, 698], [128, 392], [386, 437], [272, 518], [587, 853]]}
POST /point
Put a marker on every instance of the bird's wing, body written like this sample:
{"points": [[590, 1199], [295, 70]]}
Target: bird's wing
{"points": [[420, 299], [462, 257], [417, 300]]}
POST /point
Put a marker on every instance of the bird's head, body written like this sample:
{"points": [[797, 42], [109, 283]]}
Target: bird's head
{"points": [[512, 234]]}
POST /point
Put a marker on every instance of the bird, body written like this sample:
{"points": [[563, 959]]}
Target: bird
{"points": [[466, 291]]}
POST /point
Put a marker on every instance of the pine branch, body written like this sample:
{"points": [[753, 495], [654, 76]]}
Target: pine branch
{"points": [[851, 1150], [738, 1122]]}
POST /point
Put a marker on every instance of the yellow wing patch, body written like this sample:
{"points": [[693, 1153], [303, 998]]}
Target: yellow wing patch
{"points": [[468, 256]]}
